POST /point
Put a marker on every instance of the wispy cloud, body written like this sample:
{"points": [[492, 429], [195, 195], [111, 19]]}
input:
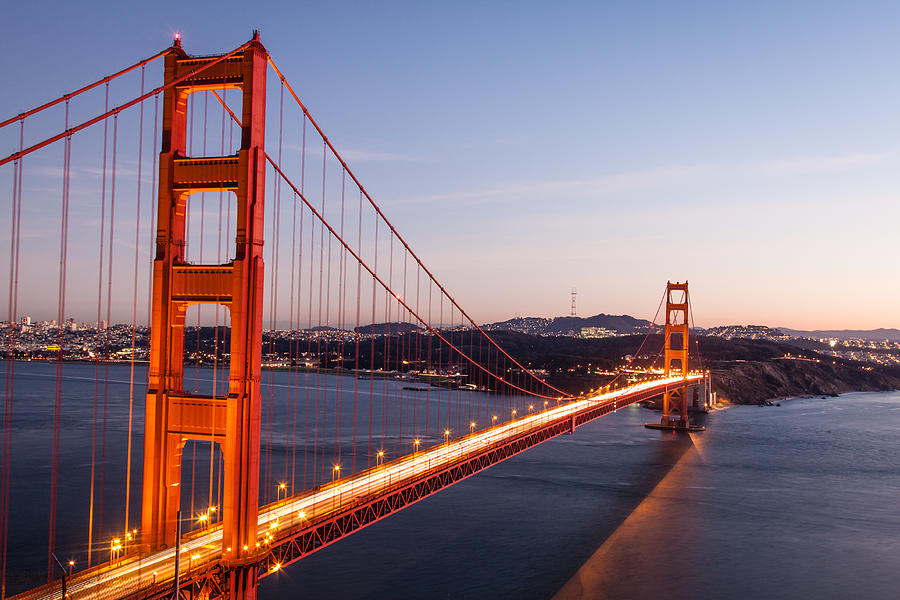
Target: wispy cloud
{"points": [[76, 172], [351, 155], [818, 164], [657, 177]]}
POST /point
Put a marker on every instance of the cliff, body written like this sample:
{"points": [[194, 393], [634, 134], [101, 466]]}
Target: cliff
{"points": [[755, 382]]}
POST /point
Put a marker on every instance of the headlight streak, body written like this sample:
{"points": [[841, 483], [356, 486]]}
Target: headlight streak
{"points": [[334, 497]]}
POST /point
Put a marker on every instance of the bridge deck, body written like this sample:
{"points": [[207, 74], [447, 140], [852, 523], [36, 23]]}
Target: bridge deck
{"points": [[303, 523]]}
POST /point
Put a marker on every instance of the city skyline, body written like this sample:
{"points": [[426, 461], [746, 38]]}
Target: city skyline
{"points": [[562, 151]]}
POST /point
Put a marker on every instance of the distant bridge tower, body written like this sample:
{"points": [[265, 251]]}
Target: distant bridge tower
{"points": [[675, 400], [173, 416]]}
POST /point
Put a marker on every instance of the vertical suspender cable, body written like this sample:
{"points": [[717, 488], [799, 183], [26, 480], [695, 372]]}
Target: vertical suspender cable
{"points": [[356, 337], [15, 224], [292, 369], [57, 404], [102, 240], [112, 215], [372, 331], [340, 327], [319, 332], [137, 254]]}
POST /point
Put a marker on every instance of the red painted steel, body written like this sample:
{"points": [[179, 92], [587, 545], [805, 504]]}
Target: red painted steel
{"points": [[292, 543], [86, 88], [675, 400], [70, 131], [233, 421], [406, 246], [173, 416]]}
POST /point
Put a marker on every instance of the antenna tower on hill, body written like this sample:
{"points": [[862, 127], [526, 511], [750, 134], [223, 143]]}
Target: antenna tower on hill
{"points": [[574, 293]]}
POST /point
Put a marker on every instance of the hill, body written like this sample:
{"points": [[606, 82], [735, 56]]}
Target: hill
{"points": [[847, 334], [620, 324]]}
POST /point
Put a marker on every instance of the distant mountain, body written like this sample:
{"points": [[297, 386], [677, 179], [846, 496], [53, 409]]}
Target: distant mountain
{"points": [[848, 334], [623, 324]]}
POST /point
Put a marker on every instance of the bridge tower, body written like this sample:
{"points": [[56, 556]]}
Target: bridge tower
{"points": [[675, 400], [173, 416]]}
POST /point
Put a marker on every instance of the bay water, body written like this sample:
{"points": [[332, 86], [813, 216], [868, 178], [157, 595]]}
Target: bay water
{"points": [[795, 501]]}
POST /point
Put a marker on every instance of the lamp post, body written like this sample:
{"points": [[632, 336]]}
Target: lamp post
{"points": [[63, 576], [335, 475], [472, 427], [379, 460], [416, 443], [115, 547], [447, 442], [282, 487]]}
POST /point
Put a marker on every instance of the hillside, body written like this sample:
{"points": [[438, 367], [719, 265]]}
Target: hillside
{"points": [[743, 371], [755, 382], [847, 334], [621, 324]]}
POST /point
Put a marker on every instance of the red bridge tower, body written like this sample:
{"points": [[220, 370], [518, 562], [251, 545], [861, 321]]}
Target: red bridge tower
{"points": [[174, 416], [675, 398]]}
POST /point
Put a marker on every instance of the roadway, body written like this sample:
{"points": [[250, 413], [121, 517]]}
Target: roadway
{"points": [[202, 550]]}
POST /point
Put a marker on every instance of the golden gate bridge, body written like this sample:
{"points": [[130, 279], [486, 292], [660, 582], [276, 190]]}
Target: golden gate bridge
{"points": [[336, 302]]}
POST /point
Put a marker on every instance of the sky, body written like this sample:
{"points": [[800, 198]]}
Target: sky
{"points": [[751, 148]]}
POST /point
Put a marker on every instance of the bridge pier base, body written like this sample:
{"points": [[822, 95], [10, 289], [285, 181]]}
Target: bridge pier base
{"points": [[243, 583]]}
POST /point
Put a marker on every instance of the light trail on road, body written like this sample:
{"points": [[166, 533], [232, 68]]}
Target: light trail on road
{"points": [[202, 549]]}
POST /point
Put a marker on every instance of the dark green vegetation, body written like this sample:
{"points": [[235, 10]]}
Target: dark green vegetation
{"points": [[744, 371]]}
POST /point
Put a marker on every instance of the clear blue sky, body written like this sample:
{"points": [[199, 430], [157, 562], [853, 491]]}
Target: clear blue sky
{"points": [[523, 148]]}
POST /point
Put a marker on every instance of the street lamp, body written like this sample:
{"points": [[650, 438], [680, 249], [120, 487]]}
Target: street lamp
{"points": [[335, 472], [513, 413], [71, 564], [416, 443], [530, 407], [380, 458], [494, 420], [114, 548], [282, 486], [447, 436], [472, 427]]}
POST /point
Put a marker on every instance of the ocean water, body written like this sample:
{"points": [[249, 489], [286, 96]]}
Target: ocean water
{"points": [[794, 501]]}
